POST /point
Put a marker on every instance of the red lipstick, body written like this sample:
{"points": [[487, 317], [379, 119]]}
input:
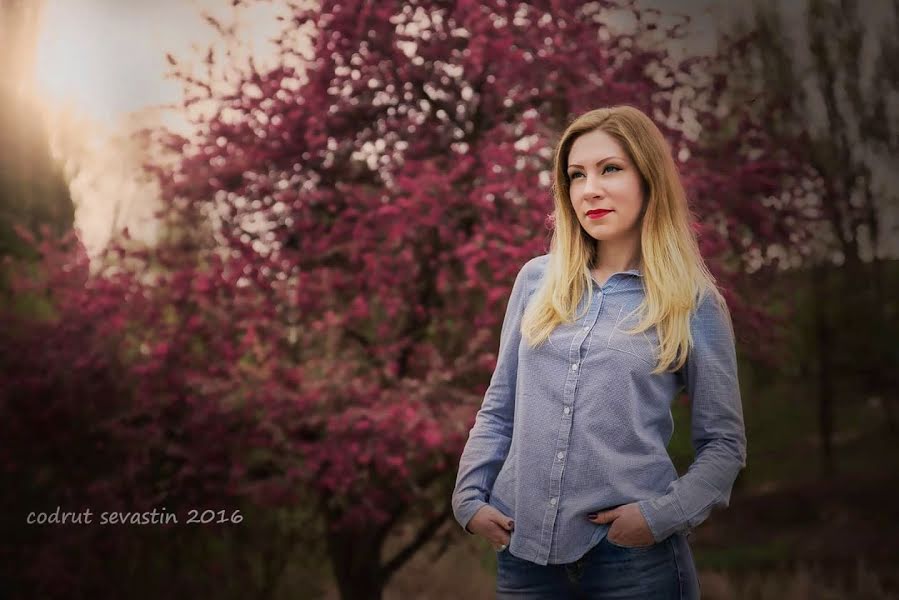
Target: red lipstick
{"points": [[597, 213]]}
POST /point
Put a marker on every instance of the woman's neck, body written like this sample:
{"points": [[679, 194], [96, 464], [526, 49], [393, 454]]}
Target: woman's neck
{"points": [[616, 260]]}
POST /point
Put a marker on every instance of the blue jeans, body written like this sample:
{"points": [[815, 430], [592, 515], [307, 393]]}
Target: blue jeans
{"points": [[663, 571]]}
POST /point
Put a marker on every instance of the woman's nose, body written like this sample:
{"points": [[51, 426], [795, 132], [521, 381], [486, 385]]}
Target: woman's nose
{"points": [[592, 186]]}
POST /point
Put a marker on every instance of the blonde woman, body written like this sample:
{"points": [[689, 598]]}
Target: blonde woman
{"points": [[566, 470]]}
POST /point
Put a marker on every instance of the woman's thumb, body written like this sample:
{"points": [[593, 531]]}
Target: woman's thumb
{"points": [[506, 523]]}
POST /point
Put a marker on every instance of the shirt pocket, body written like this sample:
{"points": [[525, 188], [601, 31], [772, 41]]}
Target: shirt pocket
{"points": [[561, 337], [643, 345], [564, 334]]}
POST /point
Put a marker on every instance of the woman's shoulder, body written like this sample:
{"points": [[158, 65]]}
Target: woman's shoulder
{"points": [[710, 312], [532, 271], [536, 265]]}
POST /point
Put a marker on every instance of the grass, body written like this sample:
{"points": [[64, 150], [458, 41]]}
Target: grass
{"points": [[803, 582], [461, 573]]}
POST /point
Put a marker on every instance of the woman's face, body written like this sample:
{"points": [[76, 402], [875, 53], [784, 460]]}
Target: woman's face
{"points": [[602, 177]]}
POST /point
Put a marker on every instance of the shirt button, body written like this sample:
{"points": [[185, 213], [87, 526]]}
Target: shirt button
{"points": [[574, 367], [561, 455], [567, 410], [586, 327], [552, 501]]}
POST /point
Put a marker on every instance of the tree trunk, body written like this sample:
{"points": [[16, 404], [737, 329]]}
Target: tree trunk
{"points": [[825, 367], [883, 383], [356, 561]]}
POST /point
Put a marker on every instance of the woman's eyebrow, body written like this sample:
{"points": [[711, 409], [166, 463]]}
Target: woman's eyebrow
{"points": [[598, 162]]}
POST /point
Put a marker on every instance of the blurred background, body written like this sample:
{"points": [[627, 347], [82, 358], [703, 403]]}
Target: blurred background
{"points": [[256, 255]]}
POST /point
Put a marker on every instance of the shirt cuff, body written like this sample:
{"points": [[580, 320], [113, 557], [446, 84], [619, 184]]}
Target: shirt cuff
{"points": [[468, 510], [663, 515]]}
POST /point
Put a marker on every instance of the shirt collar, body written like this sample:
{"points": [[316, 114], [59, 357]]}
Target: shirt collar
{"points": [[618, 282]]}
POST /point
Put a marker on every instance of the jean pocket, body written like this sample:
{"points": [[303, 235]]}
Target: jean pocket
{"points": [[630, 548]]}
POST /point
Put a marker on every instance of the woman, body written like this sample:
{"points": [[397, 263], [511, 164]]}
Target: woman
{"points": [[566, 470]]}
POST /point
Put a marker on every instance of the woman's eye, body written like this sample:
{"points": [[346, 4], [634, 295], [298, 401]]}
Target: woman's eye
{"points": [[576, 173]]}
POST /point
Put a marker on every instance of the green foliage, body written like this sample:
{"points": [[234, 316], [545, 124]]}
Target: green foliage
{"points": [[766, 554], [33, 190]]}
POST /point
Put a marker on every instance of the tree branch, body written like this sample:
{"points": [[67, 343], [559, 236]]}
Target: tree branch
{"points": [[423, 536]]}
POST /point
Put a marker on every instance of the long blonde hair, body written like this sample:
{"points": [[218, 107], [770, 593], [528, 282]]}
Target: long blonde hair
{"points": [[675, 276]]}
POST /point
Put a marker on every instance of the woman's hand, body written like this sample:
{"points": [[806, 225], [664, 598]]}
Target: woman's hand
{"points": [[629, 528], [492, 525]]}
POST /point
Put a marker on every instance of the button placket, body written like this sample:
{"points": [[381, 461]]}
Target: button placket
{"points": [[576, 356]]}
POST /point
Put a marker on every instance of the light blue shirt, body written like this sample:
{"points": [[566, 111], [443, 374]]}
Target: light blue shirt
{"points": [[579, 425]]}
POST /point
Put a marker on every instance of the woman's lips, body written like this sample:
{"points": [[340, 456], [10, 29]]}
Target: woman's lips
{"points": [[598, 214]]}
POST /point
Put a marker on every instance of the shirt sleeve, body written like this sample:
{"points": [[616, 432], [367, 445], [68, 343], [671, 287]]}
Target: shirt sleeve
{"points": [[717, 428], [490, 437]]}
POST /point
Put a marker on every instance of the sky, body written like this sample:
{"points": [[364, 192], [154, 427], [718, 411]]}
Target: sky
{"points": [[107, 58], [101, 64]]}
